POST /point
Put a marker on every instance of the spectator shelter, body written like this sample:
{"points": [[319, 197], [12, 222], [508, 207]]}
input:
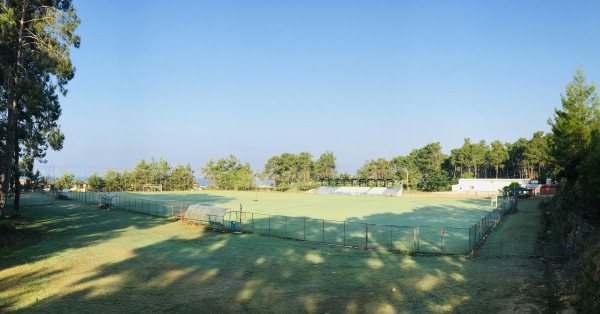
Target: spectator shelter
{"points": [[211, 216]]}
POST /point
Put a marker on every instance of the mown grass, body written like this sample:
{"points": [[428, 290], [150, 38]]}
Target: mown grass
{"points": [[401, 211], [79, 258]]}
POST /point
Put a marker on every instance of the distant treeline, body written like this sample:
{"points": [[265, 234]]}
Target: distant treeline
{"points": [[556, 155], [145, 174], [426, 169]]}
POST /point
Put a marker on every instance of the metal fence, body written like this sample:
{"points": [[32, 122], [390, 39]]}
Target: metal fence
{"points": [[479, 231], [525, 249], [154, 208], [364, 235]]}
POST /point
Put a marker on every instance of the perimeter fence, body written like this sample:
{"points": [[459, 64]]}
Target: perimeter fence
{"points": [[363, 235], [525, 249], [144, 206]]}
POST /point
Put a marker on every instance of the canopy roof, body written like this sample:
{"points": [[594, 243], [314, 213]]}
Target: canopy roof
{"points": [[205, 213]]}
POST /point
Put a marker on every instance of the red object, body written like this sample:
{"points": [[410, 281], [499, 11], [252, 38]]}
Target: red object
{"points": [[443, 231], [548, 189]]}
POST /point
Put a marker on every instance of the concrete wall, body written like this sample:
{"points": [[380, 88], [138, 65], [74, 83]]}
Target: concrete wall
{"points": [[485, 185]]}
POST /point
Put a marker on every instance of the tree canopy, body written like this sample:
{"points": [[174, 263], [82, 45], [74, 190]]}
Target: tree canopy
{"points": [[36, 67]]}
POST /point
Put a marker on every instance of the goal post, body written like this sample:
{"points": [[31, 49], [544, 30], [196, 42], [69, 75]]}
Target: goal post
{"points": [[494, 201], [151, 188]]}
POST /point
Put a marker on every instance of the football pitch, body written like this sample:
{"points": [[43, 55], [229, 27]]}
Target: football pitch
{"points": [[72, 256], [400, 211]]}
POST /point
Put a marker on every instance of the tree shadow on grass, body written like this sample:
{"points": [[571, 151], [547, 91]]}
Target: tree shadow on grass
{"points": [[175, 197], [72, 224], [269, 276], [149, 266]]}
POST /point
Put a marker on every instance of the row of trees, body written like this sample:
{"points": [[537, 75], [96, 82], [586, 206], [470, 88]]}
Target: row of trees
{"points": [[574, 212], [146, 175], [429, 169], [35, 67], [426, 168], [575, 148], [228, 173]]}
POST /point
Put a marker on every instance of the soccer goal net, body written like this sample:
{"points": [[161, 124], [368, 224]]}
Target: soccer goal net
{"points": [[151, 188], [494, 201]]}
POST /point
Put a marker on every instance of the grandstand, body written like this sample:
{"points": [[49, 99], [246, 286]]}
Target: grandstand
{"points": [[378, 191], [326, 190], [354, 190], [393, 192]]}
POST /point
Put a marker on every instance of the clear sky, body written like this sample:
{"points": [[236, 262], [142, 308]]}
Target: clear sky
{"points": [[190, 81]]}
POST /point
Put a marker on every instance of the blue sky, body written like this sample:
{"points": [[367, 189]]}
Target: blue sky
{"points": [[190, 81]]}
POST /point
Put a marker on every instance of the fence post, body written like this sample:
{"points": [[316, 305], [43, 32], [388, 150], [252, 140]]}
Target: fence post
{"points": [[366, 236], [391, 238], [304, 228], [416, 239], [344, 233], [443, 239], [470, 244], [476, 239]]}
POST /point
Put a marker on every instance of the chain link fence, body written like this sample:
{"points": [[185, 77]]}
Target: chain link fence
{"points": [[148, 207], [363, 235], [525, 249]]}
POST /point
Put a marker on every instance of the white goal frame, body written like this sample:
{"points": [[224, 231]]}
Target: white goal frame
{"points": [[151, 187]]}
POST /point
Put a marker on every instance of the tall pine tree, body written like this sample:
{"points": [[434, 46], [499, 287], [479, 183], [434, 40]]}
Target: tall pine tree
{"points": [[573, 124], [35, 67]]}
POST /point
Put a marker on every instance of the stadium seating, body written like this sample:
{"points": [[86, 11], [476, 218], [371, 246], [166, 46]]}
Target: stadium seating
{"points": [[356, 190]]}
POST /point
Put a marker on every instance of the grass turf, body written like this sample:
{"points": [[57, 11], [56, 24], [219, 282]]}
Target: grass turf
{"points": [[75, 257], [401, 211]]}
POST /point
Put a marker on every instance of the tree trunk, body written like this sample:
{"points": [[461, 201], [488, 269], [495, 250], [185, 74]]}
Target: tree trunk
{"points": [[8, 157], [11, 126], [17, 182]]}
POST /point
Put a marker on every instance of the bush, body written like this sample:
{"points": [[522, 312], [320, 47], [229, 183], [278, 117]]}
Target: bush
{"points": [[7, 227], [305, 186], [8, 231]]}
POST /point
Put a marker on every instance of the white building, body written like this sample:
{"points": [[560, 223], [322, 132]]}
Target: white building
{"points": [[485, 185]]}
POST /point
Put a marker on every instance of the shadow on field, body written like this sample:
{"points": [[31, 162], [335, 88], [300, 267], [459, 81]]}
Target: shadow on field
{"points": [[442, 216], [116, 261], [191, 198], [206, 274], [72, 225]]}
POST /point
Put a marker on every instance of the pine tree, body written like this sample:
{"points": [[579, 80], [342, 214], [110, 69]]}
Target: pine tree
{"points": [[35, 66], [573, 124]]}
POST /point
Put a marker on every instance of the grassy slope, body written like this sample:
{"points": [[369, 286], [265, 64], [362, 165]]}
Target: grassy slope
{"points": [[76, 257]]}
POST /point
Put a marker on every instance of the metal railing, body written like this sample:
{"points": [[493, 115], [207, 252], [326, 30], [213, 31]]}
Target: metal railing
{"points": [[364, 235], [149, 207]]}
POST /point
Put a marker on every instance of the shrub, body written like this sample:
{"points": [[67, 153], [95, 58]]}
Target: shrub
{"points": [[7, 227]]}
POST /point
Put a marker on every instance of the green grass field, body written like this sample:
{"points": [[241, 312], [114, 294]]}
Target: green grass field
{"points": [[72, 256], [421, 223], [400, 211]]}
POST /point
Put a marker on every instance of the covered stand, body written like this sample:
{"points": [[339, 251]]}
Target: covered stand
{"points": [[206, 215]]}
